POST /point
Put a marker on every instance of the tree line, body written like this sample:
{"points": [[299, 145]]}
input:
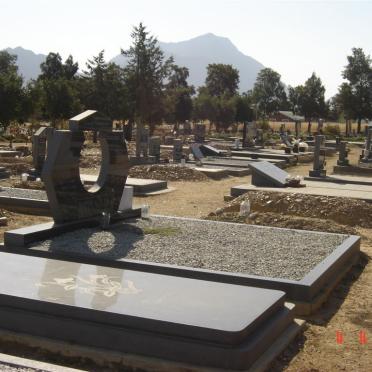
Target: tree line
{"points": [[152, 89]]}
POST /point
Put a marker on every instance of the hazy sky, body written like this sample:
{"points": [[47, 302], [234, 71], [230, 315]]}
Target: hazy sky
{"points": [[294, 38]]}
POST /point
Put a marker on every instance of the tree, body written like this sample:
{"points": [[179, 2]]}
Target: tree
{"points": [[244, 110], [12, 95], [178, 100], [102, 87], [268, 92], [57, 87], [146, 73], [358, 72], [222, 80]]}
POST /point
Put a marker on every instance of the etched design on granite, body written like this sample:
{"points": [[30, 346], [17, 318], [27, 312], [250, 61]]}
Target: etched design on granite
{"points": [[94, 284]]}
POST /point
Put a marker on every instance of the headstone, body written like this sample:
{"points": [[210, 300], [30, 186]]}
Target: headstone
{"points": [[249, 134], [199, 132], [282, 128], [195, 150], [320, 126], [68, 199], [177, 150], [268, 175], [260, 138], [154, 148], [342, 156], [319, 158], [187, 128], [210, 151], [144, 141], [367, 152]]}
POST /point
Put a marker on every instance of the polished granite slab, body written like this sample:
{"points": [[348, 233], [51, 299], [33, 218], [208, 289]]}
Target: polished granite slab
{"points": [[209, 311]]}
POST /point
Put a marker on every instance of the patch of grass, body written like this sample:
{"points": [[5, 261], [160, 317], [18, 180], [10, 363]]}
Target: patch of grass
{"points": [[162, 231]]}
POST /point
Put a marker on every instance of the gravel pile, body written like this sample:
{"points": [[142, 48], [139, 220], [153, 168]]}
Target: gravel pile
{"points": [[204, 244], [167, 173], [23, 193]]}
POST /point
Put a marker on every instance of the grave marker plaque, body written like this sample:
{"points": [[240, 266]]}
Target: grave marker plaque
{"points": [[268, 175]]}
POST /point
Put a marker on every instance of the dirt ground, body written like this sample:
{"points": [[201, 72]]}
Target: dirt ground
{"points": [[348, 310]]}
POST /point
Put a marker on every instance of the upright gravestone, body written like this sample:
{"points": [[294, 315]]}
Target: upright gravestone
{"points": [[319, 158], [187, 128], [265, 174], [39, 150], [367, 153], [154, 148], [249, 134], [177, 150], [342, 156], [144, 141], [260, 141], [297, 129], [69, 201], [199, 132], [320, 126]]}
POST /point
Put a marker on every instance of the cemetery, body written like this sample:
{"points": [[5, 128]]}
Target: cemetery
{"points": [[181, 207], [102, 250]]}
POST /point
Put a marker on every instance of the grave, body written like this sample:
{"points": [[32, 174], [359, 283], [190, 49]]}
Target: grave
{"points": [[199, 132], [343, 152], [154, 148], [366, 156], [319, 158], [208, 150], [160, 313], [249, 134]]}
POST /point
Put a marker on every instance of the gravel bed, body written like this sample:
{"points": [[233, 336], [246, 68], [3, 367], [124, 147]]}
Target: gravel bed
{"points": [[14, 368], [23, 193], [248, 249]]}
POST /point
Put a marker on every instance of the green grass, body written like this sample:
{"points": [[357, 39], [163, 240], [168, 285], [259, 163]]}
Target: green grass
{"points": [[162, 231]]}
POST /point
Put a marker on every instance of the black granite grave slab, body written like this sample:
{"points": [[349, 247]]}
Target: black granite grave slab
{"points": [[267, 174], [208, 150], [187, 320]]}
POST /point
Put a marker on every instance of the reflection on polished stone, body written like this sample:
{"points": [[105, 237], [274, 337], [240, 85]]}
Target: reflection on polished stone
{"points": [[134, 298]]}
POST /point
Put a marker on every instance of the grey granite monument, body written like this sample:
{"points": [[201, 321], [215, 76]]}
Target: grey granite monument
{"points": [[319, 158], [367, 153], [154, 148], [177, 150], [343, 152], [199, 132]]}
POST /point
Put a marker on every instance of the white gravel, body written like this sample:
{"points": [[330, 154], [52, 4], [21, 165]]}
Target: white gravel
{"points": [[264, 251]]}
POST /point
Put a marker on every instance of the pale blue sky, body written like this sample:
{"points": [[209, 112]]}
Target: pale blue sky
{"points": [[294, 38]]}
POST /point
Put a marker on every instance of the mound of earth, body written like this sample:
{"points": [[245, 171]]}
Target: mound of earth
{"points": [[167, 173], [284, 221], [344, 211]]}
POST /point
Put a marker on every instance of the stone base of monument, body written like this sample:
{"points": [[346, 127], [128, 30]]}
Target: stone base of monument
{"points": [[4, 173], [135, 160], [196, 323], [352, 169], [318, 173]]}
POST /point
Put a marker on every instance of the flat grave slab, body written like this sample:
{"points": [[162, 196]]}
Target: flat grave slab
{"points": [[177, 318], [140, 186], [267, 174], [350, 180], [9, 153], [291, 159], [352, 170], [241, 254]]}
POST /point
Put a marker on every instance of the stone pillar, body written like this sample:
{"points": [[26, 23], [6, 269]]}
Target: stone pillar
{"points": [[199, 132], [154, 148], [319, 158], [342, 156], [177, 150], [297, 128]]}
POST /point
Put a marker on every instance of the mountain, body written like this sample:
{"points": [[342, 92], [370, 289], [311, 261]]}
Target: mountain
{"points": [[197, 53], [28, 62]]}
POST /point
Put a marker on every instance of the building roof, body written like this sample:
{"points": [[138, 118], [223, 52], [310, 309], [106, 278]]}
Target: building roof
{"points": [[292, 116]]}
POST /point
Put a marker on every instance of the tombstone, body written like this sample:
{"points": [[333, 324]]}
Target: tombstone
{"points": [[342, 156], [282, 128], [68, 199], [320, 126], [260, 138], [144, 141], [199, 132], [285, 139], [210, 151], [39, 150], [366, 156], [266, 174], [195, 150], [177, 150], [249, 134], [319, 158], [154, 148]]}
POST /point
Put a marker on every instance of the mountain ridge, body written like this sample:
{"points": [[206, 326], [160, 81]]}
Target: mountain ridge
{"points": [[195, 54]]}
